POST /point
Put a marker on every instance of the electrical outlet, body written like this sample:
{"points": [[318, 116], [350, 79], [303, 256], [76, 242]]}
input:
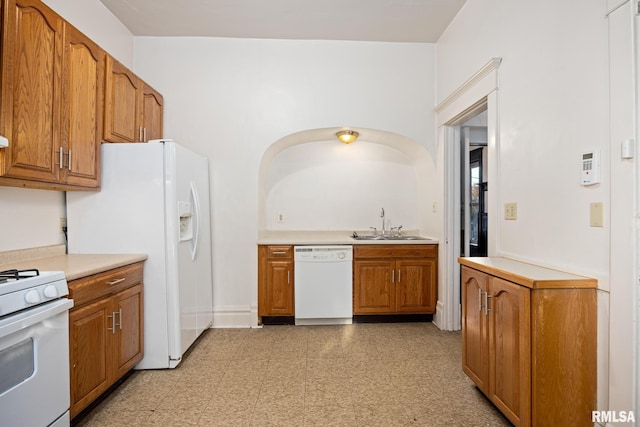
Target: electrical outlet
{"points": [[62, 225], [280, 217], [511, 211]]}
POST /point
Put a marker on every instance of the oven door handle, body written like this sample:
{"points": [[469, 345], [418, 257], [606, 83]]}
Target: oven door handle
{"points": [[33, 316]]}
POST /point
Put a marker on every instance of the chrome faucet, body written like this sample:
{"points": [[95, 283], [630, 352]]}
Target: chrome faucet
{"points": [[382, 216]]}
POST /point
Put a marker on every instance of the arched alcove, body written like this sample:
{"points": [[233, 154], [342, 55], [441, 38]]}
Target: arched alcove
{"points": [[326, 185]]}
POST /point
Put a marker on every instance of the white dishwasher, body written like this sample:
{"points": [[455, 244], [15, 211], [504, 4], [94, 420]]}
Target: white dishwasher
{"points": [[323, 285]]}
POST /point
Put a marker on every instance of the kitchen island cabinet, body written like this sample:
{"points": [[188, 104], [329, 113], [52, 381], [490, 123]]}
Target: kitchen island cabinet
{"points": [[51, 104], [105, 331], [395, 279], [529, 340], [275, 280]]}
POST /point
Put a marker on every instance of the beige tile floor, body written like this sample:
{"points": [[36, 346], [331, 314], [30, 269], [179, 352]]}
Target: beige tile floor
{"points": [[384, 374]]}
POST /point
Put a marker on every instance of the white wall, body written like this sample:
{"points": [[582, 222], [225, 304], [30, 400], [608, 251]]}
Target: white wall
{"points": [[99, 24], [327, 185], [230, 99], [30, 218], [553, 105]]}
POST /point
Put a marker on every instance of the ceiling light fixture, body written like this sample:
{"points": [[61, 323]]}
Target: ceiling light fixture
{"points": [[347, 136]]}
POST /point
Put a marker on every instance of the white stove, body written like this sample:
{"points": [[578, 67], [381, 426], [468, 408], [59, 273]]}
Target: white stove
{"points": [[34, 348], [21, 289]]}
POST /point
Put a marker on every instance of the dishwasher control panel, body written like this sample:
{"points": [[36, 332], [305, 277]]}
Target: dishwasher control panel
{"points": [[323, 253]]}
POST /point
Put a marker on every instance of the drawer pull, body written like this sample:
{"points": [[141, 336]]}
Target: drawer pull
{"points": [[279, 253], [115, 282]]}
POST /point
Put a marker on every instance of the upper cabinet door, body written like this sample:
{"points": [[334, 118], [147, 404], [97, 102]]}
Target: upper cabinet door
{"points": [[122, 114], [82, 94], [151, 113], [31, 83]]}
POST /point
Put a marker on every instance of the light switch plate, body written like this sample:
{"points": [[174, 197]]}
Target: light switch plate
{"points": [[511, 211], [596, 214]]}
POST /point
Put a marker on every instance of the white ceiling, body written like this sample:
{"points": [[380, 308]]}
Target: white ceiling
{"points": [[360, 20]]}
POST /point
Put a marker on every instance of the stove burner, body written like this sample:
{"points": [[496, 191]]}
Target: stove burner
{"points": [[18, 274]]}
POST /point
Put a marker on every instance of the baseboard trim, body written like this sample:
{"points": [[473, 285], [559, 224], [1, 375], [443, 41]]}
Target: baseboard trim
{"points": [[237, 316]]}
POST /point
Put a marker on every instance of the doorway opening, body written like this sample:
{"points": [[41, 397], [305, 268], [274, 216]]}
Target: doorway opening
{"points": [[474, 185], [475, 99]]}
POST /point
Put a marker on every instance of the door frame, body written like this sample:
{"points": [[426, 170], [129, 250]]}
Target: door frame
{"points": [[477, 93]]}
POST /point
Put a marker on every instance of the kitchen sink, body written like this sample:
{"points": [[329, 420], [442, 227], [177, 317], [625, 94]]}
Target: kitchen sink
{"points": [[388, 238]]}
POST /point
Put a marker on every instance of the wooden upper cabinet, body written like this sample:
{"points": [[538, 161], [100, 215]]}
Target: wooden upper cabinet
{"points": [[31, 83], [51, 104], [121, 106], [82, 93], [132, 108], [151, 113]]}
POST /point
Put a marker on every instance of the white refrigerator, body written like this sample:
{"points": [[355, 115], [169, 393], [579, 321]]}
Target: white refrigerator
{"points": [[154, 199]]}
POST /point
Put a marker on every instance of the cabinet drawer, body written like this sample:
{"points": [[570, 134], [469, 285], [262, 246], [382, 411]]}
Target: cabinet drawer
{"points": [[280, 252], [90, 288], [395, 251]]}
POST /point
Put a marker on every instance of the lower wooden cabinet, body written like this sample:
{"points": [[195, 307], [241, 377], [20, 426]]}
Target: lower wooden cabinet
{"points": [[529, 340], [395, 279], [275, 280], [105, 331]]}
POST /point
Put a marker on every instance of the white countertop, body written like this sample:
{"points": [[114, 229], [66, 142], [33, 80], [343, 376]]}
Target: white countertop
{"points": [[336, 237], [529, 275]]}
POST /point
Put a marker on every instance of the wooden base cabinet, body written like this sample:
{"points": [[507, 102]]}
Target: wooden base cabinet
{"points": [[529, 340], [105, 331], [275, 280], [395, 279]]}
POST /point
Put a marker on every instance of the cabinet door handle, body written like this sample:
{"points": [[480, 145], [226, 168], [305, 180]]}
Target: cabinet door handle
{"points": [[480, 300], [60, 165], [399, 276], [113, 323], [393, 276], [144, 135], [486, 303], [119, 322], [140, 134], [288, 277], [69, 155], [115, 282]]}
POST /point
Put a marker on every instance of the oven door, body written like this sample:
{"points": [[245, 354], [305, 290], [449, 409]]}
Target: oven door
{"points": [[34, 365]]}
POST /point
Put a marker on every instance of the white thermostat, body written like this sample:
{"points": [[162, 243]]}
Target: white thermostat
{"points": [[590, 168]]}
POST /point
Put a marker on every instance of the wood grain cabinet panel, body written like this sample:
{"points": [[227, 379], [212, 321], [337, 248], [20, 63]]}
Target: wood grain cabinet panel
{"points": [[128, 337], [373, 289], [530, 344], [416, 285], [132, 108], [90, 358], [152, 109], [106, 331], [31, 85], [51, 104], [275, 280], [82, 94], [395, 279]]}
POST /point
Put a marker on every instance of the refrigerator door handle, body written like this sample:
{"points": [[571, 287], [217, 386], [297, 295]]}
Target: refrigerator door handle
{"points": [[196, 209]]}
